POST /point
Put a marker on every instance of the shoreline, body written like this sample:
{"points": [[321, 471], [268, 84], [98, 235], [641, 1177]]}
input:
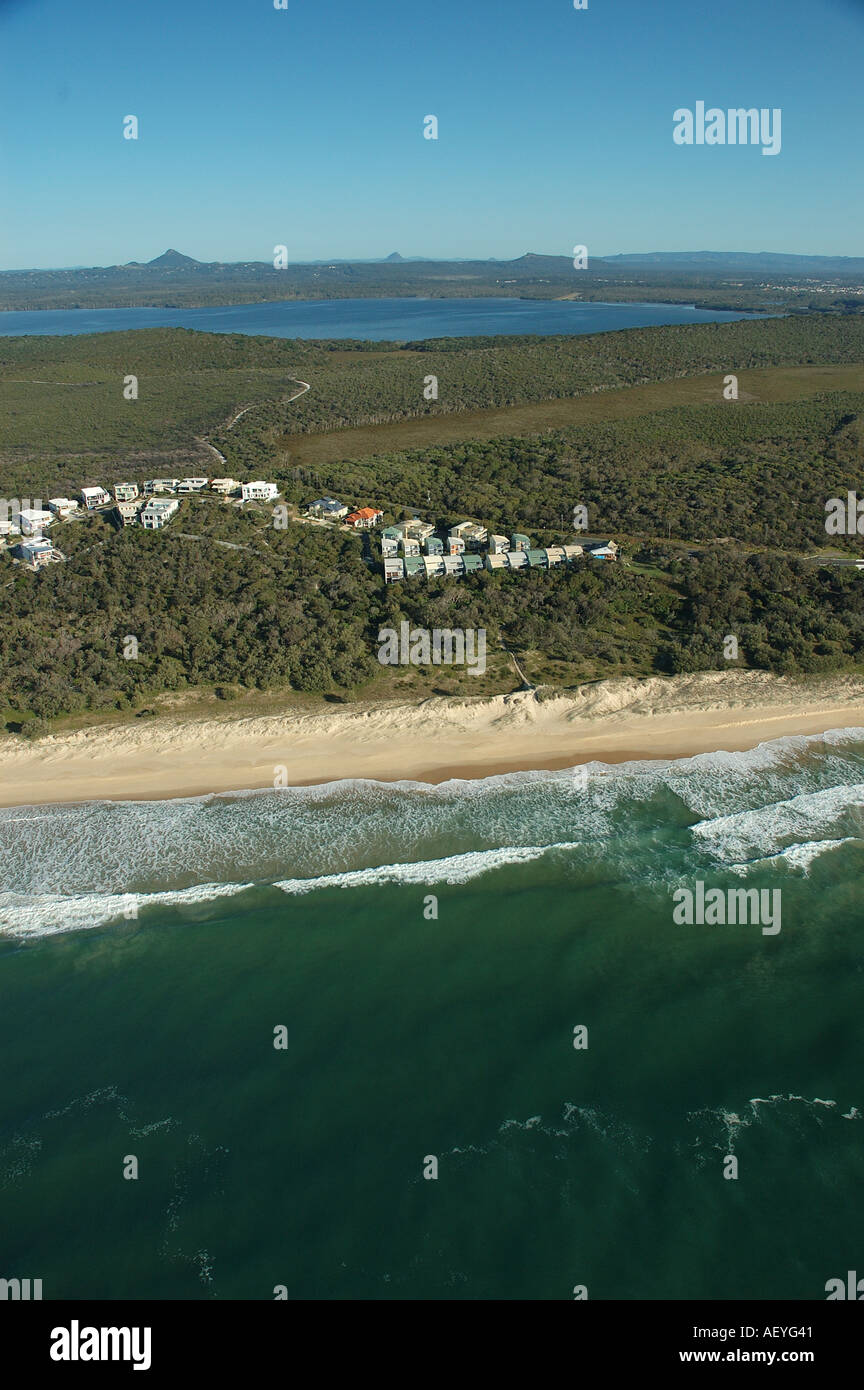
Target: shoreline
{"points": [[439, 739]]}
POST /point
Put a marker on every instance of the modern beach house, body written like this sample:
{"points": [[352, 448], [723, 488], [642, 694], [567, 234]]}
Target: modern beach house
{"points": [[258, 492], [158, 513], [93, 497]]}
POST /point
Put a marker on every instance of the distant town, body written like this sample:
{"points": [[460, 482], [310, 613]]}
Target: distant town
{"points": [[410, 548]]}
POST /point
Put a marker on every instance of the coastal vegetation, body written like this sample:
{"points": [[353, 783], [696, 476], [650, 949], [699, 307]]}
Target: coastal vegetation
{"points": [[719, 510]]}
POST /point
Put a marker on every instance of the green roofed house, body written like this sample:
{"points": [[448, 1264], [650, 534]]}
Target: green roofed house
{"points": [[519, 542], [472, 563], [538, 559], [434, 545], [414, 565]]}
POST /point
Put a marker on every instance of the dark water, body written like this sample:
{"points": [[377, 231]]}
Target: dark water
{"points": [[395, 320], [410, 1036]]}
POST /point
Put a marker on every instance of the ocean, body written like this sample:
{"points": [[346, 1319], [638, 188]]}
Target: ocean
{"points": [[286, 1008], [379, 320]]}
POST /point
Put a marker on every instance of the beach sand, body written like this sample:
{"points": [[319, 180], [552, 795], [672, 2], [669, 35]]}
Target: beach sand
{"points": [[432, 741]]}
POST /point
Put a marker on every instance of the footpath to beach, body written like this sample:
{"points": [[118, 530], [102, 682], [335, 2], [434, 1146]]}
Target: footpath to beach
{"points": [[437, 739]]}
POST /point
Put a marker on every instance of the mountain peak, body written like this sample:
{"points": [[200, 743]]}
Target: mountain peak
{"points": [[173, 258], [394, 256]]}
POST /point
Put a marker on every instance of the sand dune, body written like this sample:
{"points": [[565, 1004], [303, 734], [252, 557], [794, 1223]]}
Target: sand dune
{"points": [[610, 721]]}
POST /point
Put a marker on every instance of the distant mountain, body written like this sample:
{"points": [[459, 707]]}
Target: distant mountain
{"points": [[394, 256], [172, 259]]}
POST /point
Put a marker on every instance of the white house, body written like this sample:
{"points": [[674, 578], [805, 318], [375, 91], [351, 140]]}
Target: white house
{"points": [[498, 545], [258, 492], [225, 486], [157, 514], [191, 485], [62, 506], [125, 492], [161, 485], [393, 570], [94, 497], [38, 552], [33, 522], [127, 512]]}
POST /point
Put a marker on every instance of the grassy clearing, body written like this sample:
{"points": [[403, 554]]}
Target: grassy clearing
{"points": [[759, 386]]}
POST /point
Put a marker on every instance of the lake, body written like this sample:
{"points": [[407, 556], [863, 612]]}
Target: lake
{"points": [[394, 320]]}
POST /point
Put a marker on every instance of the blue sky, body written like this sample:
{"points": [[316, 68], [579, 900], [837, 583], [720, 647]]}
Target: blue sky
{"points": [[303, 127]]}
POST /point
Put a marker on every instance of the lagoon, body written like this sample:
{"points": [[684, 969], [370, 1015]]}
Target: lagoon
{"points": [[391, 320]]}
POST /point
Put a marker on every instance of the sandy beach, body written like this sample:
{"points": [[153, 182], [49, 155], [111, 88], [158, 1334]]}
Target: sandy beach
{"points": [[611, 721]]}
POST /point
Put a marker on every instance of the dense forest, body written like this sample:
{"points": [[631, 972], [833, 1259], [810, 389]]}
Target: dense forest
{"points": [[65, 422], [299, 609]]}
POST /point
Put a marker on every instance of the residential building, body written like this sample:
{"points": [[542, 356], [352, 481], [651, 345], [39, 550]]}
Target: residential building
{"points": [[410, 545], [258, 492], [495, 562], [364, 518], [94, 497], [453, 564], [157, 514], [519, 542], [390, 538], [415, 527], [225, 486], [125, 492], [433, 565], [572, 552], [471, 532], [127, 512], [604, 550], [415, 564], [517, 559], [393, 570], [472, 563], [555, 555], [538, 559], [33, 522], [161, 485], [187, 485], [62, 506], [38, 552], [433, 545], [455, 545], [498, 544], [329, 508]]}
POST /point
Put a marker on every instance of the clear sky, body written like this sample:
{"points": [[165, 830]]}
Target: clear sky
{"points": [[304, 127]]}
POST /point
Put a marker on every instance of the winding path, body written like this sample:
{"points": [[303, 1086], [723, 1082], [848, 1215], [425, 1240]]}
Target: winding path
{"points": [[201, 439]]}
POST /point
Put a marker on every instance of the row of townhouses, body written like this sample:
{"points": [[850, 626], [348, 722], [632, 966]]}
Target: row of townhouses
{"points": [[468, 547]]}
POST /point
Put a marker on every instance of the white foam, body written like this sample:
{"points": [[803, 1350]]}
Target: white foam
{"points": [[46, 914], [761, 832], [799, 858], [456, 868]]}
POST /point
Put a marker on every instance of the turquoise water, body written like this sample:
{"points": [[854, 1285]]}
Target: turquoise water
{"points": [[411, 1036], [393, 320]]}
